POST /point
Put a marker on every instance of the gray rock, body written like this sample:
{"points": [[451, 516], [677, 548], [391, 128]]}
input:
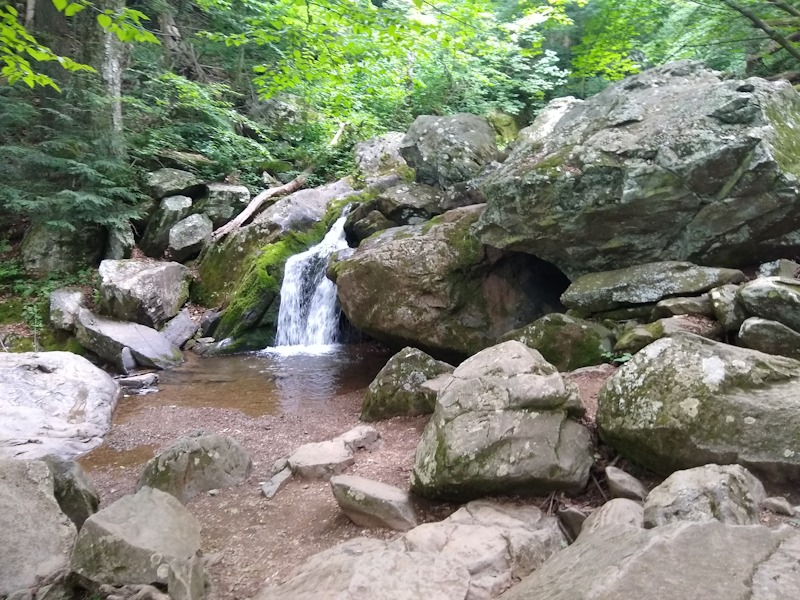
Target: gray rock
{"points": [[373, 504], [37, 536], [397, 389], [53, 403], [634, 339], [361, 437], [779, 505], [622, 485], [373, 222], [156, 236], [187, 579], [74, 491], [698, 305], [543, 125], [727, 307], [770, 337], [172, 182], [108, 339], [779, 268], [188, 237], [379, 156], [566, 342], [701, 171], [572, 520], [410, 203], [64, 306], [139, 538], [223, 202], [144, 292], [643, 284], [76, 249], [447, 150], [180, 329], [321, 460], [196, 463], [138, 382], [616, 513], [468, 448], [698, 402], [773, 298], [730, 494], [120, 242], [683, 561], [276, 483]]}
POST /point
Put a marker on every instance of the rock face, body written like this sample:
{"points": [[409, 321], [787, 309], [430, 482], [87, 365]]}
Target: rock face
{"points": [[188, 236], [565, 342], [74, 491], [196, 463], [37, 536], [397, 390], [643, 284], [686, 167], [373, 504], [447, 150], [156, 236], [223, 202], [53, 403], [143, 292], [503, 425], [446, 286], [773, 298], [685, 401], [730, 494], [113, 340], [138, 539], [683, 561]]}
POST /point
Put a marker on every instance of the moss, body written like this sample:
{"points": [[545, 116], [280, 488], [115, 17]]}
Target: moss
{"points": [[11, 311], [785, 121]]}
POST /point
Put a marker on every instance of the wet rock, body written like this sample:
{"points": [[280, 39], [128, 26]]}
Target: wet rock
{"points": [[623, 485], [373, 504], [770, 337], [37, 535], [397, 389], [64, 306], [138, 382], [156, 236], [53, 403], [188, 237], [373, 222], [196, 463], [730, 494], [180, 329], [616, 513], [223, 202], [172, 182], [74, 491]]}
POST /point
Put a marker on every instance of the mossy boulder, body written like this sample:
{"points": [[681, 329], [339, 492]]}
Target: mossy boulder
{"points": [[770, 337], [397, 390], [436, 287], [566, 342], [685, 401], [774, 298], [504, 424], [47, 250], [676, 164]]}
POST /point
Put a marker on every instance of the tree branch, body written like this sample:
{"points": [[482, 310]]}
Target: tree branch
{"points": [[760, 24], [785, 7]]}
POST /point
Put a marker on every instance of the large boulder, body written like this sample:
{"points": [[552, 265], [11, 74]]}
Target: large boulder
{"points": [[728, 493], [773, 298], [446, 286], [64, 306], [503, 424], [682, 561], [115, 340], [643, 284], [379, 157], [397, 389], [144, 292], [685, 401], [566, 342], [77, 249], [196, 463], [37, 536], [447, 150], [680, 164], [156, 236], [189, 236], [53, 403], [171, 182], [223, 202], [373, 504], [140, 538], [410, 203], [770, 337]]}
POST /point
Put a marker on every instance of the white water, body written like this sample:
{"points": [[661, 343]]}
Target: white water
{"points": [[309, 311]]}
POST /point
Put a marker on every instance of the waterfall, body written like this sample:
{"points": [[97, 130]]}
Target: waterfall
{"points": [[309, 310]]}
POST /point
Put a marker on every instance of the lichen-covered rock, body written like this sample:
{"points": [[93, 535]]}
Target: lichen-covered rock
{"points": [[53, 403], [379, 156], [410, 203], [782, 267], [682, 561], [189, 236], [685, 401], [684, 166], [37, 536], [728, 308], [74, 491], [773, 298], [643, 284], [173, 182], [447, 150], [503, 424], [729, 493], [634, 339], [566, 342], [64, 306], [695, 305], [223, 202], [156, 236], [770, 337], [445, 285], [373, 504], [148, 293], [397, 390], [543, 125], [139, 538], [196, 463], [76, 249]]}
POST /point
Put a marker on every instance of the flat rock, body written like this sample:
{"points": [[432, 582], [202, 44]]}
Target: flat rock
{"points": [[138, 382], [321, 460], [53, 403], [276, 483], [373, 504]]}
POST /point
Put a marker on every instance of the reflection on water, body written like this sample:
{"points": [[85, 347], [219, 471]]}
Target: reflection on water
{"points": [[270, 381], [105, 456]]}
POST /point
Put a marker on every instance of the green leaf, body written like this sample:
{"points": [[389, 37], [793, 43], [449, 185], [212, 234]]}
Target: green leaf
{"points": [[73, 9], [60, 4], [104, 20]]}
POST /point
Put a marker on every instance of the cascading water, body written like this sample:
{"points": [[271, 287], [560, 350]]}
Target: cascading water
{"points": [[309, 310]]}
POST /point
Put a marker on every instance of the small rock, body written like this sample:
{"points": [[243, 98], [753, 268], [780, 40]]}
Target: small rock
{"points": [[180, 329], [623, 485], [779, 505], [572, 520], [373, 504], [138, 382], [321, 460], [619, 512], [214, 492], [361, 437], [276, 483]]}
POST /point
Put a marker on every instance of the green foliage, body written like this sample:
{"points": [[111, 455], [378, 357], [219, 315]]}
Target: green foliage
{"points": [[617, 358]]}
